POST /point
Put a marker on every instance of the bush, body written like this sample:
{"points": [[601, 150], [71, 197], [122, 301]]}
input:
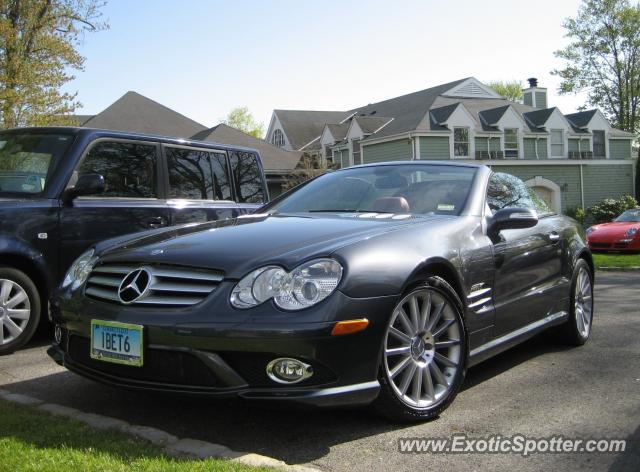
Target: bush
{"points": [[607, 209], [577, 213]]}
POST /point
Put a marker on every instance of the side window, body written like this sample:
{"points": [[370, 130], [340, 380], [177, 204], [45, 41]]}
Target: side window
{"points": [[129, 169], [221, 181], [247, 177], [190, 174], [197, 175], [508, 191], [542, 207]]}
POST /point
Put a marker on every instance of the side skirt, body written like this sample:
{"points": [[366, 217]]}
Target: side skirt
{"points": [[513, 338]]}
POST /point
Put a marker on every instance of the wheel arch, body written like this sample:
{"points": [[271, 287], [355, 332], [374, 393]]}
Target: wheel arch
{"points": [[438, 267], [34, 268], [588, 257]]}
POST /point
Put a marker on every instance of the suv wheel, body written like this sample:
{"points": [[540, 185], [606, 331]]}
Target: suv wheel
{"points": [[19, 309], [424, 353]]}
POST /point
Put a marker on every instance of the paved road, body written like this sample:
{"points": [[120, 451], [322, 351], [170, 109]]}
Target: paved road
{"points": [[537, 389]]}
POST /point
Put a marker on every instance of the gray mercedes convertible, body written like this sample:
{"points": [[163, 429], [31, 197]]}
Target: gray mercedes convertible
{"points": [[378, 284]]}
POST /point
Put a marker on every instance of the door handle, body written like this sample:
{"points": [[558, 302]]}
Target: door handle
{"points": [[554, 237], [156, 222]]}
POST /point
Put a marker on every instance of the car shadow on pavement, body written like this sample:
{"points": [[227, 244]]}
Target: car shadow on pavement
{"points": [[288, 433], [543, 343], [630, 458]]}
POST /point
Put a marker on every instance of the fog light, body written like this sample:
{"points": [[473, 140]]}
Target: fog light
{"points": [[57, 334], [288, 371]]}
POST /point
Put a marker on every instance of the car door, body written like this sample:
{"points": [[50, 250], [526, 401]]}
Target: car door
{"points": [[528, 261], [132, 201], [200, 187]]}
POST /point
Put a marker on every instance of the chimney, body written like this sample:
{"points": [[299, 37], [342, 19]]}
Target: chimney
{"points": [[535, 96]]}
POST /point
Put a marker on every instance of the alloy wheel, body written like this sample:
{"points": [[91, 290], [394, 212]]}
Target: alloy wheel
{"points": [[423, 348], [583, 302], [15, 310]]}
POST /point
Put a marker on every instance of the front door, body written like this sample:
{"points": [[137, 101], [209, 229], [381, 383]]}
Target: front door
{"points": [[130, 203], [528, 261]]}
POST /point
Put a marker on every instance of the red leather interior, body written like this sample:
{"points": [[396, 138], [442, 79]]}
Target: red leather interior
{"points": [[391, 205]]}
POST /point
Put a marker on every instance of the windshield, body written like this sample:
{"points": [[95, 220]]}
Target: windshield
{"points": [[27, 160], [410, 188], [629, 216]]}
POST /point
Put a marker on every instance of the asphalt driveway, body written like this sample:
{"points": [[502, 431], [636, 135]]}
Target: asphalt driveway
{"points": [[538, 389]]}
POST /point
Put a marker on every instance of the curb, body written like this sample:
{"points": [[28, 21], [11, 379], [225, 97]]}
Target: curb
{"points": [[618, 269], [172, 445]]}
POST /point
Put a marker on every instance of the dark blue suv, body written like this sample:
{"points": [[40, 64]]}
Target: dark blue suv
{"points": [[64, 189]]}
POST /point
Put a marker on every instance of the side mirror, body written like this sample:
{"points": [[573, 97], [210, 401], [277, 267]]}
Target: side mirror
{"points": [[512, 218], [87, 184]]}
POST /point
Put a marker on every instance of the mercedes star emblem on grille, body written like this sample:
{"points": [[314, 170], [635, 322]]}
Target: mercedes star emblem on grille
{"points": [[134, 286]]}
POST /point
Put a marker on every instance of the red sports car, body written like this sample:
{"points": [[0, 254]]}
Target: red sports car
{"points": [[622, 234]]}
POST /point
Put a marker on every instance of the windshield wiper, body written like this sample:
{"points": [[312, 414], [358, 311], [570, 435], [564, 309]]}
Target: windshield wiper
{"points": [[342, 210]]}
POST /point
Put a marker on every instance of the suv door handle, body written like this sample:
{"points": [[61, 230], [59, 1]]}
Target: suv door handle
{"points": [[554, 237], [156, 222]]}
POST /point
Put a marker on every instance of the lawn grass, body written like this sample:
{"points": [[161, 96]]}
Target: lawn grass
{"points": [[32, 440], [616, 260]]}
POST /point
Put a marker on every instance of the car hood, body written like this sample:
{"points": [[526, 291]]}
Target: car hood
{"points": [[614, 229], [237, 246]]}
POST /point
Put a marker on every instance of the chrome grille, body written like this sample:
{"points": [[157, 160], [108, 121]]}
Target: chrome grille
{"points": [[167, 285]]}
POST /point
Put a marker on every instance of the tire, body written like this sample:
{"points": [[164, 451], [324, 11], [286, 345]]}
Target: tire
{"points": [[19, 309], [427, 378], [577, 329]]}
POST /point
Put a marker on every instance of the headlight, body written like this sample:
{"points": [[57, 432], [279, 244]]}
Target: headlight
{"points": [[631, 232], [79, 270], [304, 286], [590, 230]]}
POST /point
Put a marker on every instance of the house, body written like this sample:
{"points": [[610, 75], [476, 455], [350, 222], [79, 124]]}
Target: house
{"points": [[136, 113], [569, 160]]}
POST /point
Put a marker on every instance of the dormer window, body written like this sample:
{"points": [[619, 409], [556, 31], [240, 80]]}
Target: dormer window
{"points": [[557, 143], [461, 142], [511, 143], [599, 151], [277, 138]]}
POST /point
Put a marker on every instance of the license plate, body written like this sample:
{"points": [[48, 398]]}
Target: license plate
{"points": [[120, 343]]}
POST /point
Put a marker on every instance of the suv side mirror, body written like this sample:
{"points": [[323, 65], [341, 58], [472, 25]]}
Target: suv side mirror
{"points": [[87, 184], [512, 218]]}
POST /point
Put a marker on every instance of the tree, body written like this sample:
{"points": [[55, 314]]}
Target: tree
{"points": [[242, 119], [603, 59], [309, 167], [38, 48], [511, 90]]}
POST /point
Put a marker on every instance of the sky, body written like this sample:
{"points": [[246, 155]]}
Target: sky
{"points": [[202, 58]]}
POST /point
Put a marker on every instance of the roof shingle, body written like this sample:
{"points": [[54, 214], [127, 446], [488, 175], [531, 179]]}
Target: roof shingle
{"points": [[303, 126], [135, 113]]}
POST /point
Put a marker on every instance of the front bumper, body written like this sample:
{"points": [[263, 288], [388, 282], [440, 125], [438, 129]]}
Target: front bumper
{"points": [[222, 359], [614, 244], [346, 395]]}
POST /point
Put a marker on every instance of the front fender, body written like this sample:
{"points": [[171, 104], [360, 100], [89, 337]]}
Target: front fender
{"points": [[18, 253]]}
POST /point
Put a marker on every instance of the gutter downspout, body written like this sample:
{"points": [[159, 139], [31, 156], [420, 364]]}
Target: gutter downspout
{"points": [[581, 186]]}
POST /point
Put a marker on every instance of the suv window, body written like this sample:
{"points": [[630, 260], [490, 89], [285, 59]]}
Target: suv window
{"points": [[247, 177], [197, 175], [129, 169], [508, 191]]}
